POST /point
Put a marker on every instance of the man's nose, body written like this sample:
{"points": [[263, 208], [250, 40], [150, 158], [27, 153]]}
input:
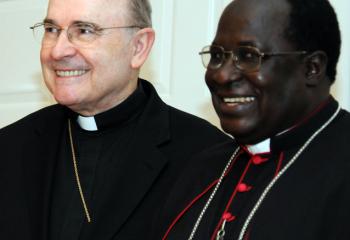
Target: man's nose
{"points": [[63, 47], [226, 73]]}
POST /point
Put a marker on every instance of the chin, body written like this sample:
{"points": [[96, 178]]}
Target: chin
{"points": [[240, 130], [65, 99]]}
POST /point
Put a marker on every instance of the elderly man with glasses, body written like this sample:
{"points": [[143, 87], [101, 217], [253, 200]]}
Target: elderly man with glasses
{"points": [[96, 165], [285, 175]]}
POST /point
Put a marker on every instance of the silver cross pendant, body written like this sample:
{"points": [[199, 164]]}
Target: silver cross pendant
{"points": [[221, 233]]}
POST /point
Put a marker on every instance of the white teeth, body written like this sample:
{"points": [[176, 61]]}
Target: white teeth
{"points": [[71, 73], [239, 100]]}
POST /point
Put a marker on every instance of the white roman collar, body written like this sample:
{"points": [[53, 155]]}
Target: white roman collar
{"points": [[261, 147], [87, 123]]}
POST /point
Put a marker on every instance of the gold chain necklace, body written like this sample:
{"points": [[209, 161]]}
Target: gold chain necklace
{"points": [[75, 166]]}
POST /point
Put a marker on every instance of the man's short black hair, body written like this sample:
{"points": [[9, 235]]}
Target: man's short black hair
{"points": [[313, 26]]}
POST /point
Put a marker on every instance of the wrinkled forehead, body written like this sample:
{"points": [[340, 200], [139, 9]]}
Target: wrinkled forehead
{"points": [[259, 19], [64, 12]]}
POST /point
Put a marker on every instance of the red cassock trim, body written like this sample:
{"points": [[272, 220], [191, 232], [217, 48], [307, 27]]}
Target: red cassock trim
{"points": [[279, 164], [180, 215], [188, 207], [229, 203], [238, 188]]}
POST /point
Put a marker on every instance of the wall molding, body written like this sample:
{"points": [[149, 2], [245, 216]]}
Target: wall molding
{"points": [[158, 67]]}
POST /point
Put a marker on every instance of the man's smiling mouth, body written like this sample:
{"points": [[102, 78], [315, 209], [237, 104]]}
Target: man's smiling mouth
{"points": [[237, 100], [70, 73]]}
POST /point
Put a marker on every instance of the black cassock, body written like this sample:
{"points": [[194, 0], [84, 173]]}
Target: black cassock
{"points": [[126, 169], [309, 201]]}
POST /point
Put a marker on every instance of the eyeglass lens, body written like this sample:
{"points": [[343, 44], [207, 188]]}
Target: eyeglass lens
{"points": [[79, 34], [244, 58]]}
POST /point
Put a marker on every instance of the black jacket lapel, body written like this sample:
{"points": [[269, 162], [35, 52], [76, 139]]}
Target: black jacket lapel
{"points": [[39, 159]]}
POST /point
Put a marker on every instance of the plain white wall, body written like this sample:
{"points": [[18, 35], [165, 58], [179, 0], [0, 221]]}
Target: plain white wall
{"points": [[341, 88]]}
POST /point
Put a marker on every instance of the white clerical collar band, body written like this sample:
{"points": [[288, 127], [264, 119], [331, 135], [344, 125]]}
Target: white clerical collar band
{"points": [[261, 147], [87, 123]]}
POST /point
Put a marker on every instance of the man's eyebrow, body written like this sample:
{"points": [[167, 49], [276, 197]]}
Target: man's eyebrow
{"points": [[79, 22], [247, 43], [48, 20]]}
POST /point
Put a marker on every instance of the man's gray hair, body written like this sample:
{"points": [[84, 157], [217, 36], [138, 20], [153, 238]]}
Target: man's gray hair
{"points": [[141, 12]]}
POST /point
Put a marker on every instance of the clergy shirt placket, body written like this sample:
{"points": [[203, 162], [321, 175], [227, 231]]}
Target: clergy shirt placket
{"points": [[212, 195], [241, 187]]}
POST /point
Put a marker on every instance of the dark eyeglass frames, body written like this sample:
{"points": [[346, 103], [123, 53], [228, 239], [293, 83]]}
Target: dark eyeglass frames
{"points": [[245, 58]]}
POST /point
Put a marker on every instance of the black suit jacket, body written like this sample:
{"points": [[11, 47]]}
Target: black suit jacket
{"points": [[166, 138]]}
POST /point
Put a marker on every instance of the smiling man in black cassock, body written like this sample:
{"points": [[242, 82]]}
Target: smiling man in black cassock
{"points": [[285, 175], [97, 165]]}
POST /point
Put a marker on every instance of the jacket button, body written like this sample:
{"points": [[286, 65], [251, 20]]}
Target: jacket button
{"points": [[258, 159], [242, 187], [228, 217]]}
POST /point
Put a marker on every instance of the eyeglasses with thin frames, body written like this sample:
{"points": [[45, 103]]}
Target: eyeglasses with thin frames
{"points": [[245, 58], [80, 34]]}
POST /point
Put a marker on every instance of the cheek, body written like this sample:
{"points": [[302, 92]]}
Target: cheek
{"points": [[111, 70], [44, 56], [209, 80], [270, 81], [278, 89], [47, 72], [104, 60], [105, 69]]}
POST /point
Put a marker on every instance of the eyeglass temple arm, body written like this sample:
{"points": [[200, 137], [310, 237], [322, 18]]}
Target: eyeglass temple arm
{"points": [[283, 53]]}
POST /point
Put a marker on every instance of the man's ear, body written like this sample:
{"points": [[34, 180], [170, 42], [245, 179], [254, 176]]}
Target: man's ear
{"points": [[316, 67], [142, 44]]}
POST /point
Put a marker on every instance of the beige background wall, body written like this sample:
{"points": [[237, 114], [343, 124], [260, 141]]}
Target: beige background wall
{"points": [[182, 27]]}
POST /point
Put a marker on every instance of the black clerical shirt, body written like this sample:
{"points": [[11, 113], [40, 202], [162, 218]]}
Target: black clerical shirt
{"points": [[97, 153]]}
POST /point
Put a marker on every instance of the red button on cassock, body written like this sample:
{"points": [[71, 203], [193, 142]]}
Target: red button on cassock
{"points": [[228, 217], [258, 160], [242, 187]]}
